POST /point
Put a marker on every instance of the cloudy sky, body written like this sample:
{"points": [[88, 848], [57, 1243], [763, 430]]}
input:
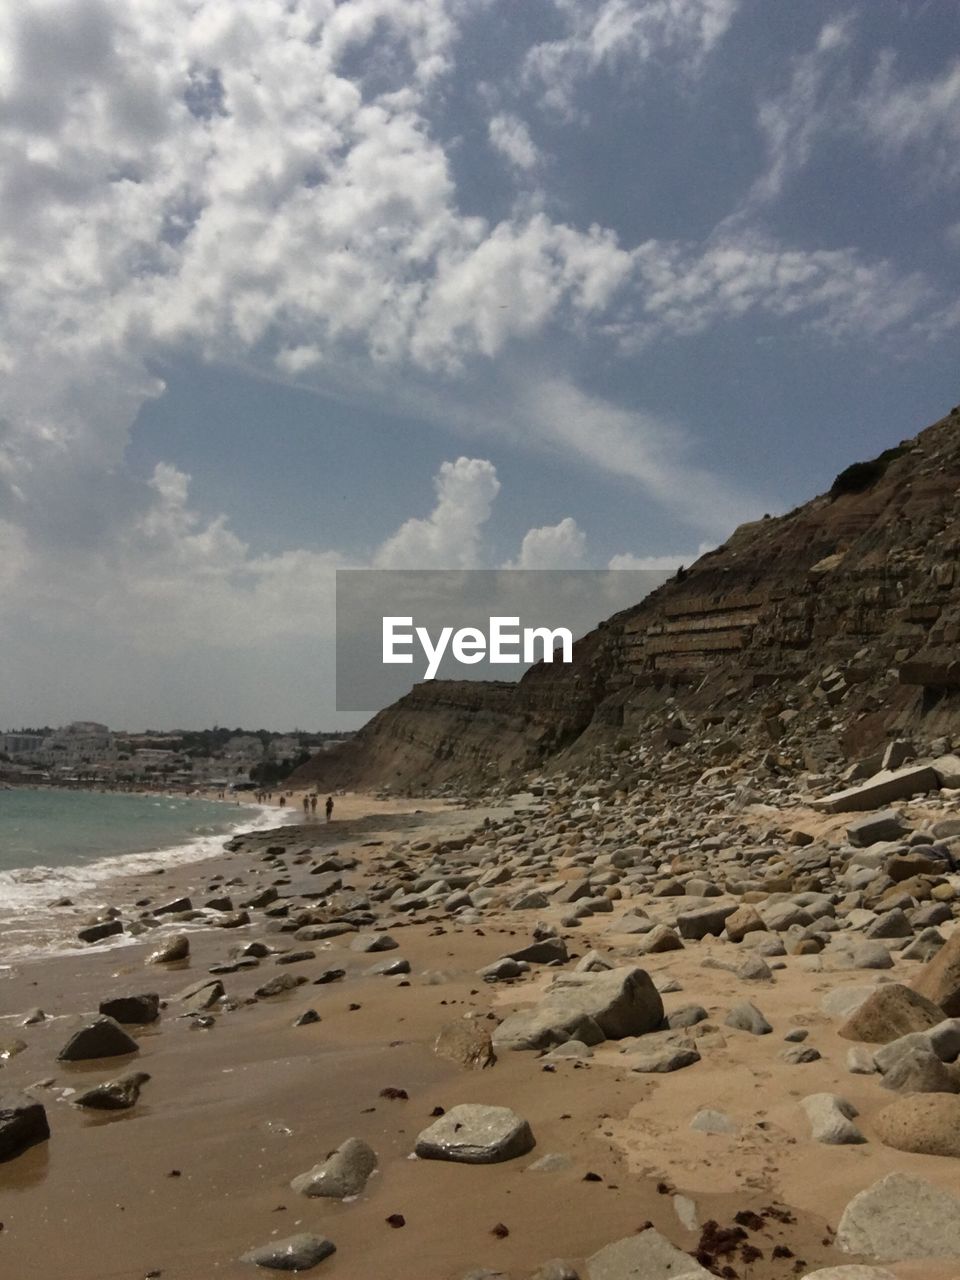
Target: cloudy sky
{"points": [[292, 284]]}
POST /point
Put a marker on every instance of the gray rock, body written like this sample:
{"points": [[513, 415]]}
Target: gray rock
{"points": [[917, 1069], [545, 951], [688, 1016], [747, 1017], [373, 942], [23, 1123], [885, 824], [798, 1054], [175, 948], [709, 1121], [645, 1256], [706, 920], [618, 1002], [101, 1038], [342, 1174], [901, 1217], [278, 984], [831, 1119], [475, 1134], [663, 1057], [295, 1253], [113, 1095]]}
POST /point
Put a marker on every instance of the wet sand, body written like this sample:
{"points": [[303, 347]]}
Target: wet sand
{"points": [[198, 1172]]}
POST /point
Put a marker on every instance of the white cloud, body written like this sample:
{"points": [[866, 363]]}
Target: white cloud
{"points": [[792, 122], [674, 561], [511, 138], [449, 538], [920, 116], [616, 34], [552, 546]]}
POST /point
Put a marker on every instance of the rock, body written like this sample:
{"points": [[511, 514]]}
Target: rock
{"points": [[475, 1134], [101, 1038], [746, 919], [926, 1124], [891, 924], [755, 969], [34, 1017], [23, 1123], [307, 1018], [113, 1095], [747, 1017], [174, 907], [663, 1057], [844, 1001], [390, 968], [660, 939], [98, 932], [708, 1121], [890, 1011], [706, 920], [556, 1269], [947, 769], [295, 1253], [884, 825], [799, 1054], [504, 970], [939, 979], [342, 1174], [373, 942], [688, 1016], [467, 1043], [919, 1070], [588, 1007], [901, 1217], [860, 1061], [201, 995], [175, 948], [830, 1119], [882, 789], [278, 984], [645, 1256], [546, 951], [138, 1010]]}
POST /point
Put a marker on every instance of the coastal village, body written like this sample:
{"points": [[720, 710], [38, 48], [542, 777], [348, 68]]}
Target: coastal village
{"points": [[85, 753]]}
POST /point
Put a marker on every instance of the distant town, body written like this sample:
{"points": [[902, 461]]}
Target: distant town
{"points": [[85, 753]]}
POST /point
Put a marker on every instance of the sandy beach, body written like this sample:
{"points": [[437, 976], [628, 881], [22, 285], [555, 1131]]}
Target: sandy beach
{"points": [[241, 1100]]}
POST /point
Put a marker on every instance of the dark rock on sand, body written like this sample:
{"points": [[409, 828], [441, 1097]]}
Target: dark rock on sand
{"points": [[101, 1038], [113, 1095], [139, 1009], [23, 1123]]}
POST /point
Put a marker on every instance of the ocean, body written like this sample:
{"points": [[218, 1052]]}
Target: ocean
{"points": [[56, 843]]}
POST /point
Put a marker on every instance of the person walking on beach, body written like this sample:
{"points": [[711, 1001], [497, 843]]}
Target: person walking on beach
{"points": [[306, 805], [329, 807], [313, 804]]}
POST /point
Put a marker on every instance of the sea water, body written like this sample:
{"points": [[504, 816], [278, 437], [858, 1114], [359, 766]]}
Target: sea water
{"points": [[56, 843]]}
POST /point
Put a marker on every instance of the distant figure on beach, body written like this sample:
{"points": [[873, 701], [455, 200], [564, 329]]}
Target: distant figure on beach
{"points": [[313, 804], [329, 807], [283, 800], [306, 805]]}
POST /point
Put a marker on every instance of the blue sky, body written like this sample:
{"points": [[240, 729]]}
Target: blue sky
{"points": [[431, 283]]}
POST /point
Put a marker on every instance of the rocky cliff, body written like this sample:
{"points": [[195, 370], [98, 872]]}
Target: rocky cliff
{"points": [[812, 637]]}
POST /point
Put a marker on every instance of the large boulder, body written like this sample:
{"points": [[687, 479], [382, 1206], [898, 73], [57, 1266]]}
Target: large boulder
{"points": [[23, 1123], [882, 789], [939, 979], [890, 1011], [901, 1217], [588, 1007], [702, 921], [474, 1134], [342, 1174], [101, 1038], [927, 1124], [645, 1256]]}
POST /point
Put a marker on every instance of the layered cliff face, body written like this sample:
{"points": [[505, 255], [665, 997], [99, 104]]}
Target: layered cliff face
{"points": [[817, 634]]}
